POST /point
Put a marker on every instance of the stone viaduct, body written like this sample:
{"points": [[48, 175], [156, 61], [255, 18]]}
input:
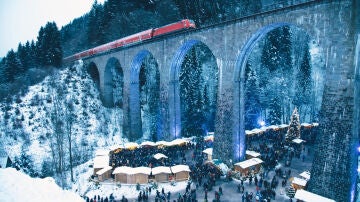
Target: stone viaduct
{"points": [[332, 24]]}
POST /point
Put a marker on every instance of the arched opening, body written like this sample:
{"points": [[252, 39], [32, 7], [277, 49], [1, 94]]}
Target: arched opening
{"points": [[280, 68], [94, 73], [113, 84], [145, 95], [193, 92]]}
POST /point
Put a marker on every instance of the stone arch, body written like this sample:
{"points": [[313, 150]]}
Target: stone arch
{"points": [[112, 94], [142, 119], [239, 144], [93, 71], [175, 110]]}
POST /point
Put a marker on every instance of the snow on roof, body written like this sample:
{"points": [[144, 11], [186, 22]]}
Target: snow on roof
{"points": [[101, 161], [283, 126], [123, 169], [159, 156], [209, 137], [101, 152], [178, 141], [310, 197], [148, 143], [297, 140], [315, 124], [305, 124], [248, 132], [104, 170], [273, 127], [299, 181], [179, 168], [252, 153], [162, 143], [142, 170], [14, 182], [249, 162], [131, 145], [161, 169], [305, 174], [208, 151]]}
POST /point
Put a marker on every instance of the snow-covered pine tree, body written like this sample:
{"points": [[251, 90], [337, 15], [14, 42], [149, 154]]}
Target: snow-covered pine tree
{"points": [[294, 127]]}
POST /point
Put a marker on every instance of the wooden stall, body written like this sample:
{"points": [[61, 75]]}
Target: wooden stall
{"points": [[249, 166], [141, 174], [104, 173], [306, 196], [161, 173], [100, 162], [298, 183], [122, 174], [181, 172], [208, 152]]}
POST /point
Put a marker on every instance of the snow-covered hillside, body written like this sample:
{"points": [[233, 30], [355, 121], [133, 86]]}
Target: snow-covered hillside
{"points": [[34, 128], [17, 186]]}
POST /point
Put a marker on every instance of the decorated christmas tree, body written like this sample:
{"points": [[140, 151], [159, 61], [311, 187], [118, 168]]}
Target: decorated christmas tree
{"points": [[294, 127]]}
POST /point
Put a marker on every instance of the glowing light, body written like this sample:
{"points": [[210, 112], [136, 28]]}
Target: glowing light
{"points": [[262, 123], [358, 149]]}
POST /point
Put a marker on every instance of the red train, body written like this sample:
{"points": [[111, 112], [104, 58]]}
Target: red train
{"points": [[135, 38]]}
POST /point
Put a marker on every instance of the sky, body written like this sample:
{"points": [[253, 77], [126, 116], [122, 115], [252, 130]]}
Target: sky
{"points": [[20, 20]]}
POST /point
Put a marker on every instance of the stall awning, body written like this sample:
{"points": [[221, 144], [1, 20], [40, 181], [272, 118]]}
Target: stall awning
{"points": [[310, 197]]}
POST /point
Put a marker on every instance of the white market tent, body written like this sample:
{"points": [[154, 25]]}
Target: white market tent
{"points": [[298, 140], [100, 162], [305, 174], [159, 156], [310, 197], [208, 151]]}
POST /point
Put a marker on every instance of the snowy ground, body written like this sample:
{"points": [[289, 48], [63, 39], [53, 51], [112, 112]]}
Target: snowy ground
{"points": [[17, 186]]}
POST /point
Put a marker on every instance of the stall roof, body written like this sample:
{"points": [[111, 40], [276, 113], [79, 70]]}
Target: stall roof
{"points": [[179, 168], [101, 152], [148, 143], [142, 170], [102, 171], [305, 174], [123, 169], [252, 153], [161, 169], [208, 151], [283, 126], [159, 156], [131, 145], [299, 181], [178, 141], [249, 162], [101, 161], [310, 197]]}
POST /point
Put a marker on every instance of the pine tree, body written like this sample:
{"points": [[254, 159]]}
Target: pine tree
{"points": [[49, 45], [275, 111], [294, 127], [12, 66], [252, 100]]}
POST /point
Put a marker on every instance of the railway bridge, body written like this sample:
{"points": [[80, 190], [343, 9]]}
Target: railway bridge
{"points": [[333, 25]]}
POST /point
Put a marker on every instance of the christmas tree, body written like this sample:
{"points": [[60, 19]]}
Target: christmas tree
{"points": [[294, 127]]}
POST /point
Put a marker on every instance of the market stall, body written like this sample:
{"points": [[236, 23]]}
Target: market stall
{"points": [[181, 172], [305, 196], [122, 174], [298, 183], [161, 173], [104, 173], [247, 167]]}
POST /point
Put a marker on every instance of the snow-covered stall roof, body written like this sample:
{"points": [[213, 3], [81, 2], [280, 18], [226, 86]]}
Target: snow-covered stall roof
{"points": [[180, 168], [104, 170], [306, 124], [305, 174], [310, 197], [101, 161], [148, 143], [252, 153], [208, 151], [298, 140], [159, 156], [283, 126], [161, 169], [163, 143], [249, 162], [178, 141], [142, 170], [101, 152], [123, 169], [299, 181], [209, 137], [131, 145]]}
